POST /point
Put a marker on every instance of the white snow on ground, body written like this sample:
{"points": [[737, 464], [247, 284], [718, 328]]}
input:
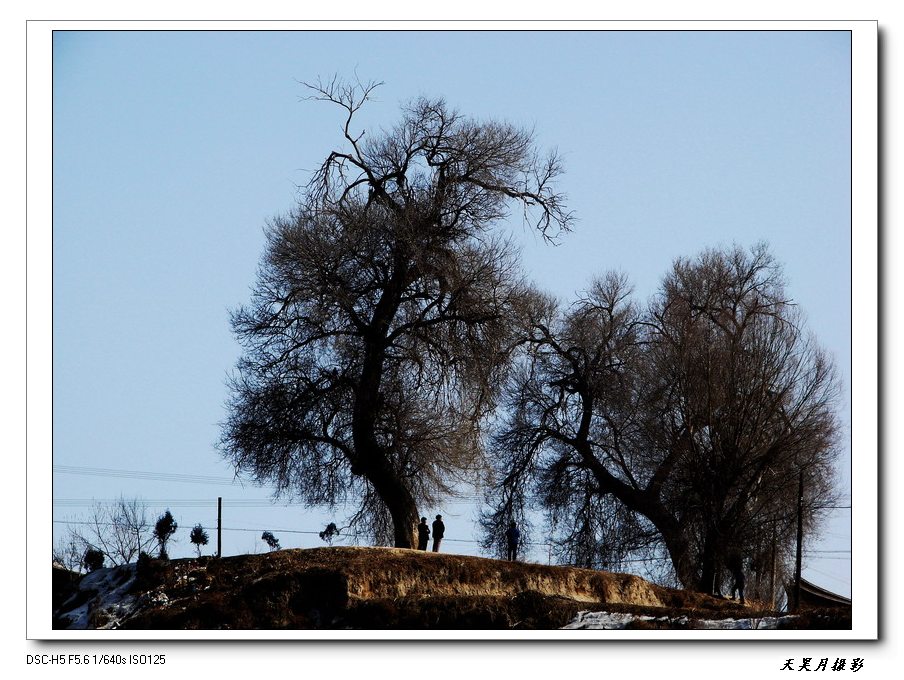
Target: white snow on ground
{"points": [[113, 602], [610, 621], [603, 621], [764, 623]]}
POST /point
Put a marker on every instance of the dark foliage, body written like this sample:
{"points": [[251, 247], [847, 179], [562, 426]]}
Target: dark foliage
{"points": [[199, 537], [329, 533], [164, 529], [93, 559], [270, 540]]}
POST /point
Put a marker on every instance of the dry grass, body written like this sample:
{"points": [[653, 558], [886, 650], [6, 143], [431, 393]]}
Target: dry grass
{"points": [[389, 588]]}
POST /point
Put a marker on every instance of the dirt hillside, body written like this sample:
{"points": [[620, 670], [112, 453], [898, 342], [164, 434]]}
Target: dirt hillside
{"points": [[364, 588]]}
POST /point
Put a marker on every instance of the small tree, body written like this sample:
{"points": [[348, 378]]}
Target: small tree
{"points": [[120, 529], [93, 559], [329, 533], [271, 540], [199, 537], [68, 552], [163, 530]]}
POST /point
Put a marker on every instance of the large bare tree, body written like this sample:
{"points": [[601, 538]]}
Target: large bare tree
{"points": [[382, 320], [682, 430]]}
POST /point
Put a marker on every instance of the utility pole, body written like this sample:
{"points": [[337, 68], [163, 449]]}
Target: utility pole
{"points": [[800, 539], [219, 526], [772, 573]]}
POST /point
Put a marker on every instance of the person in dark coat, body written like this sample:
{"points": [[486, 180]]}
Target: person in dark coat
{"points": [[512, 536], [736, 567], [423, 534], [438, 530]]}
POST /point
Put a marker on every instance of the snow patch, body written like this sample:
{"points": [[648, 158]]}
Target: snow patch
{"points": [[112, 603], [611, 621], [764, 623], [603, 621]]}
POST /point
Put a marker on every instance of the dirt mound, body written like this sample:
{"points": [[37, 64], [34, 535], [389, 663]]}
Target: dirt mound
{"points": [[371, 588], [375, 573]]}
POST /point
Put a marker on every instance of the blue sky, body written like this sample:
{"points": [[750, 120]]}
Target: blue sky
{"points": [[173, 149]]}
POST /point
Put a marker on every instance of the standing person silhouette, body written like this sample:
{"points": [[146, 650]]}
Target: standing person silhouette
{"points": [[736, 567], [423, 534], [439, 529], [512, 536]]}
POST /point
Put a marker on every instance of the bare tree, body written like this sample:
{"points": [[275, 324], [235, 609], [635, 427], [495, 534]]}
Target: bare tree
{"points": [[572, 409], [68, 552], [381, 322], [121, 530], [746, 409], [682, 431]]}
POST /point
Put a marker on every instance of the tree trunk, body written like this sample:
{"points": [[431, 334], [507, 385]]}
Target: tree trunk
{"points": [[680, 554], [647, 503], [404, 523], [371, 460], [710, 564], [398, 499]]}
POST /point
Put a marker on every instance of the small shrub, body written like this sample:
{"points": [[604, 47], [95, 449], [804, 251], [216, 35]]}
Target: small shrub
{"points": [[163, 530], [270, 540], [93, 559], [199, 537], [329, 533]]}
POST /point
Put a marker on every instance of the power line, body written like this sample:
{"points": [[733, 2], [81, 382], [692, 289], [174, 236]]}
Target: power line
{"points": [[200, 502], [274, 530], [180, 502], [152, 476], [196, 479], [255, 503], [309, 532], [109, 524], [233, 481], [818, 571]]}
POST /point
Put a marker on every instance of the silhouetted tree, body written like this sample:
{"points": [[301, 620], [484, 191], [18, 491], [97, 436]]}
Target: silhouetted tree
{"points": [[679, 431], [69, 552], [163, 530], [93, 560], [270, 540], [380, 324], [199, 537], [329, 533]]}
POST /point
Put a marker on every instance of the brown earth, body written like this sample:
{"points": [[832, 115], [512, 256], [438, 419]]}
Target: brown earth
{"points": [[391, 588]]}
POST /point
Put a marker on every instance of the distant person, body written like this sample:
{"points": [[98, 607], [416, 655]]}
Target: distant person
{"points": [[736, 567], [512, 536], [423, 534], [439, 529]]}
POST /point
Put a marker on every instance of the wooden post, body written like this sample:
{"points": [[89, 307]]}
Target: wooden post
{"points": [[219, 526], [772, 574], [800, 539]]}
